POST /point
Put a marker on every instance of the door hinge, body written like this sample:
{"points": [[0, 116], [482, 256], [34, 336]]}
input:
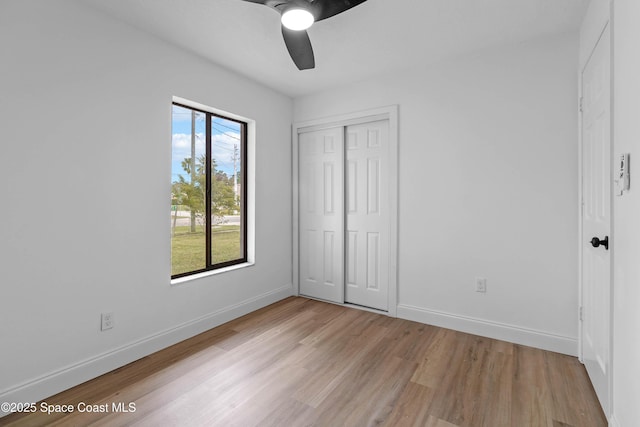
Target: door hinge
{"points": [[580, 105], [581, 311]]}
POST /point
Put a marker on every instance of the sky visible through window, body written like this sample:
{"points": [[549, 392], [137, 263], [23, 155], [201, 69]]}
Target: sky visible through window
{"points": [[225, 134]]}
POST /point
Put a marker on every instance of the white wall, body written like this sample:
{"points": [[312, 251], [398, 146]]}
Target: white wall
{"points": [[488, 167], [595, 19], [85, 116], [626, 223]]}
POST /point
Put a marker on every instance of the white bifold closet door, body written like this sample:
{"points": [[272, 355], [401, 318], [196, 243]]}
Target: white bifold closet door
{"points": [[344, 224]]}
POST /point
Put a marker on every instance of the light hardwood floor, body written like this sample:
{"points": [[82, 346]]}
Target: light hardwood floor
{"points": [[301, 362]]}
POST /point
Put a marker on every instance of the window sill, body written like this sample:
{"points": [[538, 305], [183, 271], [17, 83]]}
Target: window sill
{"points": [[202, 275]]}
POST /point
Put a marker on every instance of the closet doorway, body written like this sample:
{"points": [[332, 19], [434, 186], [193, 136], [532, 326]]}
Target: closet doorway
{"points": [[345, 209]]}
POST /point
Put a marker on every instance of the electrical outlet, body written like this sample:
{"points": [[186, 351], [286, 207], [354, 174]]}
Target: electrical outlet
{"points": [[107, 321], [481, 284]]}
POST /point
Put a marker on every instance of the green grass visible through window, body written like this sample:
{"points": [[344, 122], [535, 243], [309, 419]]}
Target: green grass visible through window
{"points": [[187, 249]]}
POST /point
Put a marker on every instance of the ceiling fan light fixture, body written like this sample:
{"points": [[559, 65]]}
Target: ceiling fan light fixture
{"points": [[297, 19]]}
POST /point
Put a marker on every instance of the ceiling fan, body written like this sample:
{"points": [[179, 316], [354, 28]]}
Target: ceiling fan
{"points": [[297, 16]]}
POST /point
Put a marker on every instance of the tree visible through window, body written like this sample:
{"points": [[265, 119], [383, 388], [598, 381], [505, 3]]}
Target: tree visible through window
{"points": [[208, 208]]}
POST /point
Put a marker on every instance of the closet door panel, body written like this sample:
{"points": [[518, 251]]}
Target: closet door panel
{"points": [[367, 214], [321, 214]]}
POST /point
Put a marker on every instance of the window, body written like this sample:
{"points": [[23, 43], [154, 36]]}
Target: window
{"points": [[208, 191]]}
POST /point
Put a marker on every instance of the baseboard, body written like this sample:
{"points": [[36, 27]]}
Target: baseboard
{"points": [[70, 376], [489, 329], [613, 422]]}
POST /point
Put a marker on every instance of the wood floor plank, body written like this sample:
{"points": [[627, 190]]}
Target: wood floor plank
{"points": [[411, 339], [384, 383], [458, 381], [373, 384], [437, 359], [412, 407], [532, 400], [569, 383], [436, 422], [301, 362], [499, 401], [330, 372]]}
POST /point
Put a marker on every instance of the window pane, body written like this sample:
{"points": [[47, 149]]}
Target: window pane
{"points": [[226, 200], [188, 179]]}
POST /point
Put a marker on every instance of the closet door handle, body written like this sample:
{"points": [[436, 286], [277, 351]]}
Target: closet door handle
{"points": [[595, 242]]}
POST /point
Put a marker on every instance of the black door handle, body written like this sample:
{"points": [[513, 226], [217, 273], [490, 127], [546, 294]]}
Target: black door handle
{"points": [[595, 242]]}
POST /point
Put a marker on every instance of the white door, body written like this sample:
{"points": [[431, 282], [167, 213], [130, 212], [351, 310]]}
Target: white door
{"points": [[367, 212], [321, 214], [596, 219]]}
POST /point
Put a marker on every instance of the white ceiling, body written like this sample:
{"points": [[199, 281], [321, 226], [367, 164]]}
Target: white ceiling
{"points": [[375, 37]]}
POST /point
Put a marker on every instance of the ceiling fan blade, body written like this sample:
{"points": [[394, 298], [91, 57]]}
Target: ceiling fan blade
{"points": [[299, 47], [327, 8]]}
